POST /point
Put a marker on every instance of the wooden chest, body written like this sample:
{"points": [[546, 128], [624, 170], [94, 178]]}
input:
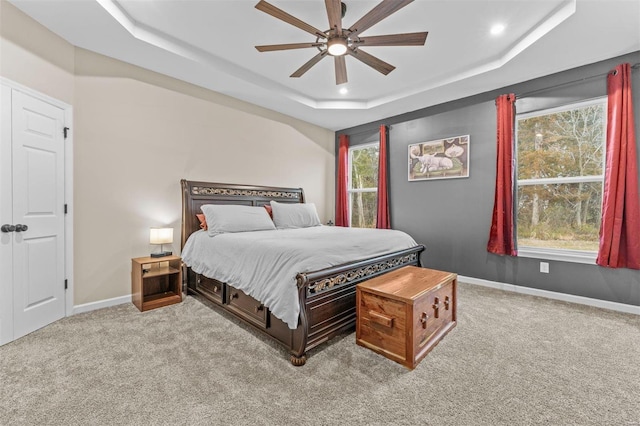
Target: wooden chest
{"points": [[405, 313]]}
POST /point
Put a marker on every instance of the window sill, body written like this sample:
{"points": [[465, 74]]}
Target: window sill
{"points": [[575, 256]]}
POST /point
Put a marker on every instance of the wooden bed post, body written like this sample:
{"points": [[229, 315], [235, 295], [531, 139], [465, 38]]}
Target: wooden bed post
{"points": [[298, 348]]}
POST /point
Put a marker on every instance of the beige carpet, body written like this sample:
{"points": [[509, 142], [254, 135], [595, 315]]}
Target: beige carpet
{"points": [[512, 360]]}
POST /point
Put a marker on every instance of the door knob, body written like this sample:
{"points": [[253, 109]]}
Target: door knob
{"points": [[21, 228], [7, 228]]}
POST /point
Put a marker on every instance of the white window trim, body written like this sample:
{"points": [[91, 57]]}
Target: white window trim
{"points": [[363, 190], [560, 180], [562, 108], [562, 255], [356, 148], [357, 190]]}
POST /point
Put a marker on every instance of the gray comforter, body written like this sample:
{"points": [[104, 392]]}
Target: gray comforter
{"points": [[264, 264]]}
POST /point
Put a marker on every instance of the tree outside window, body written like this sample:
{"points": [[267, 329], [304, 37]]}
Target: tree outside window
{"points": [[560, 174], [363, 185]]}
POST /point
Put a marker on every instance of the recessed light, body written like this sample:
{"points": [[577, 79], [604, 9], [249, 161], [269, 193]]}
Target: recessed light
{"points": [[344, 91], [497, 29]]}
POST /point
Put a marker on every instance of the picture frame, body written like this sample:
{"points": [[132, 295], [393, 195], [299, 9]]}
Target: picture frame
{"points": [[446, 158]]}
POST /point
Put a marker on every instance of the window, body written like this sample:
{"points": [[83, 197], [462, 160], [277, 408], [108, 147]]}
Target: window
{"points": [[363, 185], [559, 180]]}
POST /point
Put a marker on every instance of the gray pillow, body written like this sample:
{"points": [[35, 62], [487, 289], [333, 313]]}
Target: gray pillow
{"points": [[232, 218], [297, 215]]}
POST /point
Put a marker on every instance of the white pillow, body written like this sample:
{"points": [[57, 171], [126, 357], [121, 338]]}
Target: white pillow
{"points": [[225, 218], [297, 215]]}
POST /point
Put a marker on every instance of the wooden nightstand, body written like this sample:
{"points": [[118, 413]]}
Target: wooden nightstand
{"points": [[156, 281]]}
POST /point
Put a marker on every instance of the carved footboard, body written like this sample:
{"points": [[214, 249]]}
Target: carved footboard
{"points": [[327, 297]]}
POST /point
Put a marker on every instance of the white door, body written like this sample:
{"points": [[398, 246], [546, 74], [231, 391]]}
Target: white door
{"points": [[37, 213]]}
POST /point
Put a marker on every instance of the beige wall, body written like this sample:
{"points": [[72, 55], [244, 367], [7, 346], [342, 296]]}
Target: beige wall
{"points": [[137, 133], [34, 56], [135, 141]]}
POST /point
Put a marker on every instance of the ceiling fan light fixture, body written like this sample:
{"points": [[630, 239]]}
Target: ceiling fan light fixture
{"points": [[337, 46], [339, 40]]}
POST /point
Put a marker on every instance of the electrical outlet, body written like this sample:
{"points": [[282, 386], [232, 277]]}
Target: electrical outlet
{"points": [[544, 267]]}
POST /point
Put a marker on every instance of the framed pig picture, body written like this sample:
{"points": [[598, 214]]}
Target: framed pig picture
{"points": [[439, 159]]}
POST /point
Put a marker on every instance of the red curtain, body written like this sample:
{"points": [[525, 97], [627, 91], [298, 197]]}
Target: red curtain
{"points": [[383, 220], [620, 206], [342, 201], [501, 239]]}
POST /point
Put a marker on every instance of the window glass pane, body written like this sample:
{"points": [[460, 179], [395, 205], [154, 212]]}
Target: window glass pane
{"points": [[364, 167], [363, 209], [562, 216], [562, 144]]}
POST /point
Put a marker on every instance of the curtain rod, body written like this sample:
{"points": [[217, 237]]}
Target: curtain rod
{"points": [[373, 130], [568, 83]]}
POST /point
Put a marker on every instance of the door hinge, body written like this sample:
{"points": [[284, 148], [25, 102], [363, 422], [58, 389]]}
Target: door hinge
{"points": [[66, 132], [65, 209], [66, 284]]}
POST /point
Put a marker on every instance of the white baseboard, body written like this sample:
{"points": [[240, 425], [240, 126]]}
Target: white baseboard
{"points": [[92, 306], [614, 306]]}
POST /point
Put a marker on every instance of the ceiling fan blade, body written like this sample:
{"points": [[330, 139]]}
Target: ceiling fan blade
{"points": [[284, 16], [273, 47], [377, 14], [341, 70], [407, 39], [334, 12], [300, 71], [375, 63]]}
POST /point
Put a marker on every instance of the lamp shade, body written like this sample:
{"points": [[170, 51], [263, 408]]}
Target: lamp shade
{"points": [[161, 236]]}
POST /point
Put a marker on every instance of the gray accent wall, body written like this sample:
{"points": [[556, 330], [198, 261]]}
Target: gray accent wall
{"points": [[452, 217]]}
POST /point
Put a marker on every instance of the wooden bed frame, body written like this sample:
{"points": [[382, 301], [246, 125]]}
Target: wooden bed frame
{"points": [[326, 297]]}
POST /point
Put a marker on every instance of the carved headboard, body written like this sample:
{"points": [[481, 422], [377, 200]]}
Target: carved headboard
{"points": [[196, 194]]}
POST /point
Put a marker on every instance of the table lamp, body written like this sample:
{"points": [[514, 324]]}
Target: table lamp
{"points": [[161, 236]]}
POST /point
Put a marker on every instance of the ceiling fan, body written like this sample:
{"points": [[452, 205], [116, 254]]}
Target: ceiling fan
{"points": [[338, 41]]}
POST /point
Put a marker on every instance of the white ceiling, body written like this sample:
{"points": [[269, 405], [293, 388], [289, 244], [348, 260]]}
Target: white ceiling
{"points": [[210, 43]]}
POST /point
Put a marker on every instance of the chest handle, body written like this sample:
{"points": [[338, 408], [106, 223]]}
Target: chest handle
{"points": [[381, 319], [423, 319], [436, 307]]}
